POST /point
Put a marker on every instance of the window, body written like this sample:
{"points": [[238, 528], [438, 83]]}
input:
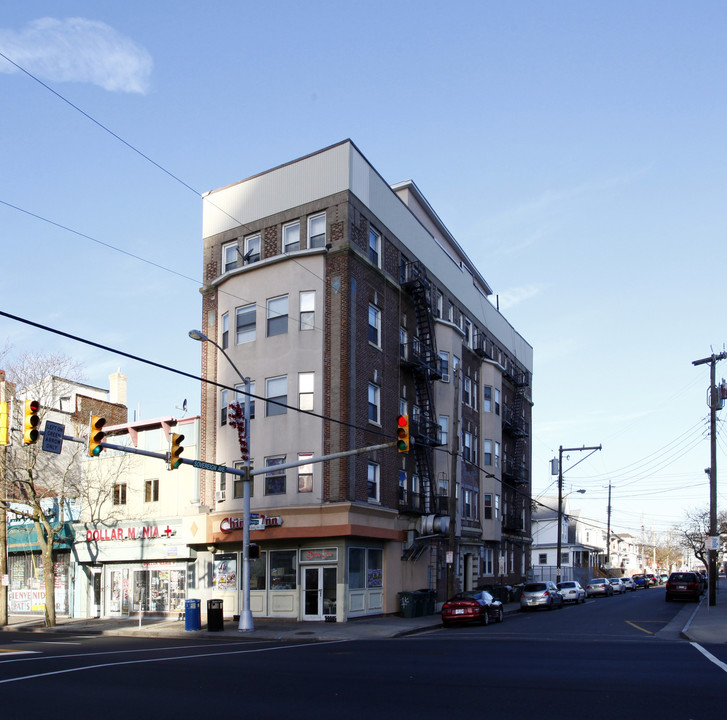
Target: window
{"points": [[542, 558], [497, 401], [373, 400], [245, 324], [439, 305], [497, 454], [467, 454], [291, 237], [467, 511], [467, 332], [488, 562], [252, 249], [307, 314], [305, 474], [488, 452], [497, 507], [565, 558], [403, 343], [487, 403], [488, 506], [374, 325], [444, 366], [364, 568], [444, 427], [151, 491], [225, 331], [282, 570], [467, 391], [375, 247], [276, 389], [223, 407], [238, 484], [305, 390], [120, 494], [278, 316], [373, 482], [229, 256], [275, 479], [317, 231]]}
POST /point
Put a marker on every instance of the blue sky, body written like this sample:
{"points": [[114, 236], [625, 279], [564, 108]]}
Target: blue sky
{"points": [[575, 150]]}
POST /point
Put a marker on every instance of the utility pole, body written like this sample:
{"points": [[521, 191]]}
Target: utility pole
{"points": [[713, 402], [608, 527], [559, 546]]}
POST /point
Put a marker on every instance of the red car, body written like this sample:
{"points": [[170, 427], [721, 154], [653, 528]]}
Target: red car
{"points": [[472, 606], [683, 585]]}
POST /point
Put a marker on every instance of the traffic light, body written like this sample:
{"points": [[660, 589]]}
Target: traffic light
{"points": [[4, 423], [402, 433], [96, 435], [31, 422], [174, 454]]}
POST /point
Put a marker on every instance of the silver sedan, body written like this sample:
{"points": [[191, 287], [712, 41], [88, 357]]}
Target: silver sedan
{"points": [[572, 591]]}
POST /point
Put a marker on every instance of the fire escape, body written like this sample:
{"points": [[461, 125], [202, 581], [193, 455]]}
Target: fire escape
{"points": [[420, 357]]}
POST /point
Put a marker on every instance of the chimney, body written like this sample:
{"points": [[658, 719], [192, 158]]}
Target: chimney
{"points": [[117, 388]]}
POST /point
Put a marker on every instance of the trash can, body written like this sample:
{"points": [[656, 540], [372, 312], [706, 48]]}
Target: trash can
{"points": [[192, 619], [407, 604], [427, 602], [214, 616]]}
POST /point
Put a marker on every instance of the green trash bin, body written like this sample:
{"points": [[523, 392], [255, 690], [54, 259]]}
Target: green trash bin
{"points": [[427, 602], [407, 604]]}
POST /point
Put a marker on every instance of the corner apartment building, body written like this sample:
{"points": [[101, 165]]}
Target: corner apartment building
{"points": [[347, 302]]}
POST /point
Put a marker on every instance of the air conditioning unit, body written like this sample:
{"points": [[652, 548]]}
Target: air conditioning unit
{"points": [[220, 496], [445, 377]]}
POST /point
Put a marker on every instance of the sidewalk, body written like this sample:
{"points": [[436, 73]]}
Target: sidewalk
{"points": [[703, 624]]}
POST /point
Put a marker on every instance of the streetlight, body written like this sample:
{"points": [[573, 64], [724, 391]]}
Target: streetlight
{"points": [[245, 623]]}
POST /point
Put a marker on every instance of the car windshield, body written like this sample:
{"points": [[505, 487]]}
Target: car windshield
{"points": [[535, 587], [682, 577], [566, 585], [597, 581]]}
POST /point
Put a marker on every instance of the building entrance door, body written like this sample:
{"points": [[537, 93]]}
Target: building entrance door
{"points": [[319, 592]]}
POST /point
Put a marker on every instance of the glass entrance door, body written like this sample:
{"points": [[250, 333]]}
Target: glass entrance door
{"points": [[319, 592]]}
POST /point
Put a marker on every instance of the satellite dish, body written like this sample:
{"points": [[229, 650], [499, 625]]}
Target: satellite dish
{"points": [[184, 405]]}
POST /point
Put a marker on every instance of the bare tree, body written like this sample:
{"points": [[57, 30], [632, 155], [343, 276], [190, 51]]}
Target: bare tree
{"points": [[37, 480], [693, 533]]}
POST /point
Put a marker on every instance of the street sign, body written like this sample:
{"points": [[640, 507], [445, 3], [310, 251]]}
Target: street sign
{"points": [[53, 437], [712, 542]]}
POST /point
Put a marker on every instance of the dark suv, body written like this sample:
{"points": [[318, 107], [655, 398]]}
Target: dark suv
{"points": [[683, 584]]}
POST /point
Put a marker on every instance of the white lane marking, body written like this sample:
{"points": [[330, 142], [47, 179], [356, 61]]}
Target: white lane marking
{"points": [[165, 659], [709, 656], [19, 652]]}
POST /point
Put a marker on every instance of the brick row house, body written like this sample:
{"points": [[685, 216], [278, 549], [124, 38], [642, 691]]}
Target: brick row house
{"points": [[347, 302]]}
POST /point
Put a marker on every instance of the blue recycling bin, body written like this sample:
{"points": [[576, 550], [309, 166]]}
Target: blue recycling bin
{"points": [[192, 619]]}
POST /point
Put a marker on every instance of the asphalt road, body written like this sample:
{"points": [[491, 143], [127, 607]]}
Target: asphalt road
{"points": [[612, 657]]}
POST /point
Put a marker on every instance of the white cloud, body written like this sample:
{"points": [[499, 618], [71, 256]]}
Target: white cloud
{"points": [[77, 50]]}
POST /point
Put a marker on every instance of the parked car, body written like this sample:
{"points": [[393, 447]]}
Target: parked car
{"points": [[598, 586], [617, 585], [684, 585], [664, 577], [639, 580], [467, 607], [572, 591], [651, 579], [540, 594], [629, 583]]}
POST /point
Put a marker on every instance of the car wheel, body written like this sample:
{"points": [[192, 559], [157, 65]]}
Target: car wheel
{"points": [[485, 619], [500, 615]]}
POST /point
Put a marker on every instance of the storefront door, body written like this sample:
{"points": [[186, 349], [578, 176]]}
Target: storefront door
{"points": [[319, 592]]}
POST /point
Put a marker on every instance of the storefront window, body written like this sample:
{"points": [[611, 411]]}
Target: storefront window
{"points": [[282, 570], [160, 590], [257, 573], [374, 575]]}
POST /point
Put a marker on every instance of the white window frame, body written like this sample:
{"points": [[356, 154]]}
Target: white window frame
{"points": [[307, 310], [374, 328], [374, 402], [444, 429], [316, 239], [306, 391], [252, 249], [230, 256], [305, 474], [246, 332], [277, 316], [225, 334], [276, 385], [272, 462], [373, 477], [487, 455], [374, 246], [291, 238]]}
